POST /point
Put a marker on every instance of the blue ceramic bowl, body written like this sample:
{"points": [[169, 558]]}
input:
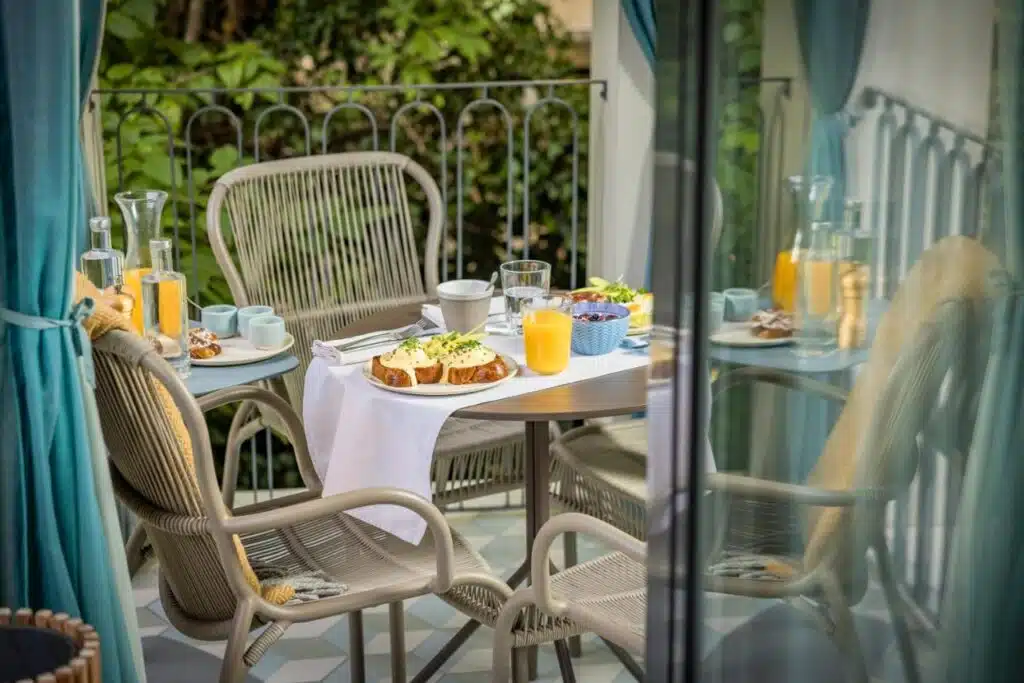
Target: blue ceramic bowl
{"points": [[596, 338]]}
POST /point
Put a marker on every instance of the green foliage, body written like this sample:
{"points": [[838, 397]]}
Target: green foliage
{"points": [[162, 139]]}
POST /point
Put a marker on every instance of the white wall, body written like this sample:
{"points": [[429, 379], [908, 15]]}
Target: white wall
{"points": [[621, 165], [935, 54]]}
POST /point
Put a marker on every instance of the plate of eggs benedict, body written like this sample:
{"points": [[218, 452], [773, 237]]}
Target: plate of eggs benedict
{"points": [[444, 365]]}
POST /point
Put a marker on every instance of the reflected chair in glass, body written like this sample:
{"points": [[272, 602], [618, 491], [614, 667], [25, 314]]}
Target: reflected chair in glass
{"points": [[933, 332], [327, 240], [223, 570]]}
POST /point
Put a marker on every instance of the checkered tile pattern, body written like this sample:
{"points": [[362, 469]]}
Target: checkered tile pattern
{"points": [[317, 652]]}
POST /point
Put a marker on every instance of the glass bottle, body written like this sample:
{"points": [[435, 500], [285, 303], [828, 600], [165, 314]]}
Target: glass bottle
{"points": [[816, 309], [164, 309], [142, 211], [853, 246], [806, 201], [98, 264]]}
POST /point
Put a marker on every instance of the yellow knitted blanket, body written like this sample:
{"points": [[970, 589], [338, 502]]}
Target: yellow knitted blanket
{"points": [[105, 318]]}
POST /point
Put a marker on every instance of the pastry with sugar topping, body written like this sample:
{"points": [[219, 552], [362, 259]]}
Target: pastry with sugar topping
{"points": [[772, 324]]}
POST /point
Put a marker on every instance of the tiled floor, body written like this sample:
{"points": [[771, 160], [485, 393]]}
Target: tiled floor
{"points": [[317, 651]]}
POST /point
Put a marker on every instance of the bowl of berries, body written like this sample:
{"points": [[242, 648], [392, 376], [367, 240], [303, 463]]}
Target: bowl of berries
{"points": [[598, 327]]}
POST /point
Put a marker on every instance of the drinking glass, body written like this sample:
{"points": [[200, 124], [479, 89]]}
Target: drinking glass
{"points": [[816, 306], [547, 333], [520, 281]]}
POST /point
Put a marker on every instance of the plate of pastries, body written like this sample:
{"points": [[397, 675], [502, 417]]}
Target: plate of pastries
{"points": [[442, 365], [209, 350], [771, 327]]}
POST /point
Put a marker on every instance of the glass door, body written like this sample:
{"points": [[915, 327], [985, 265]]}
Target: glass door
{"points": [[834, 481]]}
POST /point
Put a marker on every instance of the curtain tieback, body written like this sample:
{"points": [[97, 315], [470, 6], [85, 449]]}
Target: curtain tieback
{"points": [[79, 337]]}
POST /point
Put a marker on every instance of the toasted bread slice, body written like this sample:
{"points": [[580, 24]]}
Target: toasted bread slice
{"points": [[478, 374], [396, 377]]}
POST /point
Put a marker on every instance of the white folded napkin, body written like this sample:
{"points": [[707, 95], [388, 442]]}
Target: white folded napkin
{"points": [[329, 352], [432, 312]]}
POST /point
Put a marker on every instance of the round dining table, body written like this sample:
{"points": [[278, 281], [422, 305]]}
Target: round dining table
{"points": [[619, 393]]}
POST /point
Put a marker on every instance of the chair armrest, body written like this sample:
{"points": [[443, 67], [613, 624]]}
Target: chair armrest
{"points": [[573, 522], [277, 518], [754, 375], [252, 396], [752, 487]]}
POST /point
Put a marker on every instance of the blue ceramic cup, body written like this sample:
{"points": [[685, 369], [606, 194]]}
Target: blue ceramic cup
{"points": [[245, 315], [717, 312], [266, 332], [221, 319], [740, 304]]}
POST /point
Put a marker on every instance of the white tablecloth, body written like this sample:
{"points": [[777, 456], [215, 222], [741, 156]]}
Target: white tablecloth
{"points": [[363, 436]]}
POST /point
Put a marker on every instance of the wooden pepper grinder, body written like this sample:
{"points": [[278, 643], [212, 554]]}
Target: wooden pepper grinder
{"points": [[853, 287]]}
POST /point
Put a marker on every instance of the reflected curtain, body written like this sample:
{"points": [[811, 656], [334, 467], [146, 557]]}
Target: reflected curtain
{"points": [[640, 14], [831, 37], [55, 550], [983, 611]]}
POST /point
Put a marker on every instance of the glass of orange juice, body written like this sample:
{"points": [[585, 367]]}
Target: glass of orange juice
{"points": [[547, 333]]}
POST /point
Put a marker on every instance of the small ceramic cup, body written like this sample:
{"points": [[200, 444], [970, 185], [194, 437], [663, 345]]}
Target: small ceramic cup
{"points": [[221, 319], [740, 304], [266, 332], [717, 312], [245, 315], [465, 304]]}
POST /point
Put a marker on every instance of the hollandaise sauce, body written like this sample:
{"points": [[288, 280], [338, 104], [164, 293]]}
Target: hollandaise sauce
{"points": [[407, 357], [469, 355]]}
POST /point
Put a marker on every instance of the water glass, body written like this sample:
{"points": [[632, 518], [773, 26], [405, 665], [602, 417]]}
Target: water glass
{"points": [[816, 305], [521, 281], [547, 333]]}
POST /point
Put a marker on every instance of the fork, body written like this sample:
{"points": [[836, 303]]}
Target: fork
{"points": [[407, 332]]}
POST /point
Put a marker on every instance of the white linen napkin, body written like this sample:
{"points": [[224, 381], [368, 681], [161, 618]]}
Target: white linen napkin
{"points": [[495, 315], [333, 356]]}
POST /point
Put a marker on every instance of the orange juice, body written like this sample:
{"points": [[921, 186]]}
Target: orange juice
{"points": [[784, 281], [547, 334], [133, 285], [821, 290]]}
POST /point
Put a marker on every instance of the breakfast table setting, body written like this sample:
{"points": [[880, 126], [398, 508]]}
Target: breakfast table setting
{"points": [[374, 405]]}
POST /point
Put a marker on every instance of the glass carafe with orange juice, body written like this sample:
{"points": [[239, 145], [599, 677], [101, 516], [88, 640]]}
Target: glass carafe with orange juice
{"points": [[141, 211], [806, 203], [547, 333]]}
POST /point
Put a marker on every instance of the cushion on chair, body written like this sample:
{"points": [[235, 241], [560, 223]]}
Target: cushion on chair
{"points": [[615, 453], [185, 498], [955, 268]]}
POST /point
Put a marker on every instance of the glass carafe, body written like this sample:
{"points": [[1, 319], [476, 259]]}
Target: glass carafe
{"points": [[164, 308], [99, 263], [816, 306], [806, 203], [142, 212]]}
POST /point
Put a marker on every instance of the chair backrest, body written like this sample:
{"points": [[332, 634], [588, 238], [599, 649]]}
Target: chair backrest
{"points": [[325, 240], [154, 473], [936, 320]]}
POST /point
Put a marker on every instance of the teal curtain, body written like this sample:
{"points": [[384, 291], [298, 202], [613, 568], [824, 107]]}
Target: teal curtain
{"points": [[640, 14], [983, 609], [831, 35], [54, 547]]}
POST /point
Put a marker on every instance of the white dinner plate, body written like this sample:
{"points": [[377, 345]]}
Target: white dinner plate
{"points": [[238, 351], [443, 389], [739, 335]]}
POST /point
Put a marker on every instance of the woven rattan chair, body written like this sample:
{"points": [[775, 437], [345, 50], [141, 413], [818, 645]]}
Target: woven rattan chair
{"points": [[305, 552], [327, 240], [934, 332]]}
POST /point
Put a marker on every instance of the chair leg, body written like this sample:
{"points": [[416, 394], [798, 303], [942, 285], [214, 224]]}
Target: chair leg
{"points": [[571, 559], [233, 668], [845, 634], [520, 665], [356, 656], [396, 619], [886, 575], [135, 549], [564, 662]]}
